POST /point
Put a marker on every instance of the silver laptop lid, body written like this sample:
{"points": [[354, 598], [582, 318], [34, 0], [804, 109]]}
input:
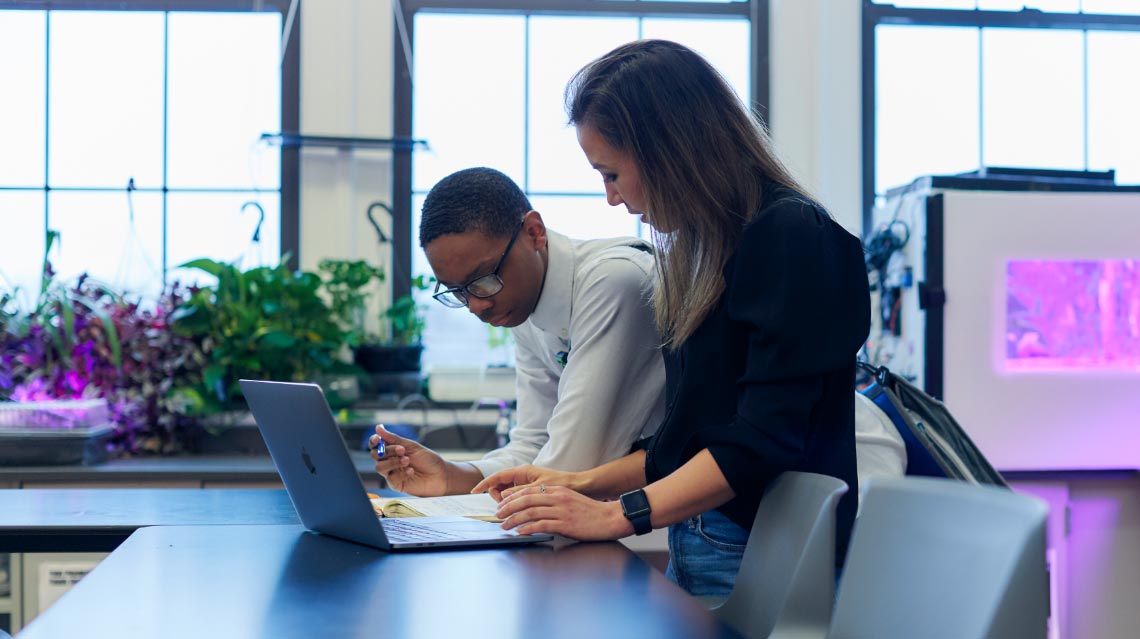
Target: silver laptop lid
{"points": [[306, 446]]}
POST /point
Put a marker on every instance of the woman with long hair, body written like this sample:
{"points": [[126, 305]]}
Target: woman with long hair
{"points": [[762, 302]]}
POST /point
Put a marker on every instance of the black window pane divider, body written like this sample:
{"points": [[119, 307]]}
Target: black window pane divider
{"points": [[291, 121], [239, 6], [582, 7], [1024, 19], [294, 140], [140, 189]]}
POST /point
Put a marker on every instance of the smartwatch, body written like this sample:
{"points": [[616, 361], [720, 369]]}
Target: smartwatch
{"points": [[635, 507]]}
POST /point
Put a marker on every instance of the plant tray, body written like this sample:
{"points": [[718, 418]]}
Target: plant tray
{"points": [[41, 447], [66, 414], [54, 432]]}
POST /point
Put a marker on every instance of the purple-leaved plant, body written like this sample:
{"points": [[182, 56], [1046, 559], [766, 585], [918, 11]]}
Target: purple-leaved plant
{"points": [[87, 341]]}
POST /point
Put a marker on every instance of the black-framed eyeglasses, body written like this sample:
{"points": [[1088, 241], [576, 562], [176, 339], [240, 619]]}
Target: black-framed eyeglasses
{"points": [[482, 287]]}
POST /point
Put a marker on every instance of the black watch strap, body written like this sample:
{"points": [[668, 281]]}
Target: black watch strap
{"points": [[635, 507]]}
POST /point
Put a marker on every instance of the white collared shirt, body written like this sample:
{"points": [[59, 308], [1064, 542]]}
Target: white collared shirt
{"points": [[590, 375]]}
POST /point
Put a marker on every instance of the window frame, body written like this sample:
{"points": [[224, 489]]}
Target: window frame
{"points": [[880, 14], [289, 185], [755, 10]]}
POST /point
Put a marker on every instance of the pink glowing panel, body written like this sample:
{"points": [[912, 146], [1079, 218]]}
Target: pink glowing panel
{"points": [[1072, 314]]}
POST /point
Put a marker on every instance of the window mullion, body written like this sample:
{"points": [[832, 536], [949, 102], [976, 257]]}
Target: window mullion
{"points": [[165, 140], [1085, 95]]}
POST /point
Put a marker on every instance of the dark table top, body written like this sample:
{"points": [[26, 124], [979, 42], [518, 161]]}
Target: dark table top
{"points": [[191, 467], [281, 582], [99, 519]]}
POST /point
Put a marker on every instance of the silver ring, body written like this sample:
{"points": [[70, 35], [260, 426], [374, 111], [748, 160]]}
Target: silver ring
{"points": [[542, 489]]}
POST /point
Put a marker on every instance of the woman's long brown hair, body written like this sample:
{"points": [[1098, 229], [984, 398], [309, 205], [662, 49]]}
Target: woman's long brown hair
{"points": [[704, 161]]}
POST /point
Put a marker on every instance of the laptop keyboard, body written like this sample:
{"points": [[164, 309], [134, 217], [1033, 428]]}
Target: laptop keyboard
{"points": [[399, 530]]}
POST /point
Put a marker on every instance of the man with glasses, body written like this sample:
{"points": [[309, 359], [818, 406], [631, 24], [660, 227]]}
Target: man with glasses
{"points": [[591, 379]]}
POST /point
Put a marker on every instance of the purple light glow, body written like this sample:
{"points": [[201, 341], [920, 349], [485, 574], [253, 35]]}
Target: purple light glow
{"points": [[1072, 314]]}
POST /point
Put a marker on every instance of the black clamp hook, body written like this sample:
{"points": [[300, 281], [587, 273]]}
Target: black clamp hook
{"points": [[371, 220], [260, 219]]}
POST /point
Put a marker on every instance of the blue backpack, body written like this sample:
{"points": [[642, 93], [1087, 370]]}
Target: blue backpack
{"points": [[936, 446]]}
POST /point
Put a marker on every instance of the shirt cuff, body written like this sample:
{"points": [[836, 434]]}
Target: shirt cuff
{"points": [[490, 465], [641, 444]]}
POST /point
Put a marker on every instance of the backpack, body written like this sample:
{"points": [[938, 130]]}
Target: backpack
{"points": [[936, 446]]}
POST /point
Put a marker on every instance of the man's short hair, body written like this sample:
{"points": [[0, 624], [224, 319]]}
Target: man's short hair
{"points": [[478, 199]]}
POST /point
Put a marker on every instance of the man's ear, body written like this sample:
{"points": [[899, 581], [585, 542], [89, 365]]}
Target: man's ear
{"points": [[535, 230]]}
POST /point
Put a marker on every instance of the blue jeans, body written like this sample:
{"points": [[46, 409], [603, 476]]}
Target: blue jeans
{"points": [[705, 554]]}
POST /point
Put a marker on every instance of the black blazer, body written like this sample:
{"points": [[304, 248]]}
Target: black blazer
{"points": [[766, 383]]}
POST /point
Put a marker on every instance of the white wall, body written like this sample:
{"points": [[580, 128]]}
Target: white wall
{"points": [[346, 90], [815, 99]]}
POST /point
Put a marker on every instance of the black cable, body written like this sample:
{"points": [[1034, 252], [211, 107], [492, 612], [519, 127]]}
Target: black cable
{"points": [[879, 248]]}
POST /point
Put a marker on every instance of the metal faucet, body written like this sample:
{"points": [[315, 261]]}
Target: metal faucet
{"points": [[503, 425]]}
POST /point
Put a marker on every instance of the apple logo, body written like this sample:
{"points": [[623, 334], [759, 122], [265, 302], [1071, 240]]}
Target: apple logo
{"points": [[308, 461]]}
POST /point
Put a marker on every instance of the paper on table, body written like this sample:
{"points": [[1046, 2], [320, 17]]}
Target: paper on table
{"points": [[481, 506]]}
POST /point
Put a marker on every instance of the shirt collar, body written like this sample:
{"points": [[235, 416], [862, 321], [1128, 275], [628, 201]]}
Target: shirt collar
{"points": [[552, 313]]}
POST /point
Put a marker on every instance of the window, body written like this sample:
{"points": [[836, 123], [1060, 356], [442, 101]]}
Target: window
{"points": [[135, 133], [952, 85], [488, 91]]}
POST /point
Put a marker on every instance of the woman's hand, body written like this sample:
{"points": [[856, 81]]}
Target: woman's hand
{"points": [[510, 481], [558, 510]]}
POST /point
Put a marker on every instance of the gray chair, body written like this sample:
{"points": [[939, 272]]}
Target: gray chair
{"points": [[937, 558], [787, 576]]}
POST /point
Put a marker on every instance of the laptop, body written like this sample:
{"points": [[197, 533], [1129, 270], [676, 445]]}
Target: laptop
{"points": [[324, 484]]}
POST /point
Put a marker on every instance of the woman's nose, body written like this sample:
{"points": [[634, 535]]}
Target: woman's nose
{"points": [[613, 198]]}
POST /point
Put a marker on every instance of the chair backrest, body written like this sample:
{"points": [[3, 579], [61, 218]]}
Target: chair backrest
{"points": [[787, 574], [938, 558]]}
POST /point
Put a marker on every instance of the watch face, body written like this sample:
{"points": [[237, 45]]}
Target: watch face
{"points": [[634, 503]]}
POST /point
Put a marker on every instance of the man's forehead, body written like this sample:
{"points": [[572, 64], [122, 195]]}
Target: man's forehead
{"points": [[458, 257]]}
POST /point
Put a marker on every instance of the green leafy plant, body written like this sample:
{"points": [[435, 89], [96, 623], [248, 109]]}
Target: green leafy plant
{"points": [[264, 323], [406, 316], [347, 282], [393, 343]]}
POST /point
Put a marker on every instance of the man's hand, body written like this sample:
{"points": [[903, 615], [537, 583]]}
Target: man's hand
{"points": [[507, 482], [417, 470]]}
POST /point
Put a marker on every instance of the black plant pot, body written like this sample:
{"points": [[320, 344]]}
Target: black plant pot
{"points": [[388, 359]]}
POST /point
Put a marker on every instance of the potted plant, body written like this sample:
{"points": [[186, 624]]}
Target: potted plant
{"points": [[86, 341], [263, 323], [396, 345], [347, 283], [405, 324]]}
